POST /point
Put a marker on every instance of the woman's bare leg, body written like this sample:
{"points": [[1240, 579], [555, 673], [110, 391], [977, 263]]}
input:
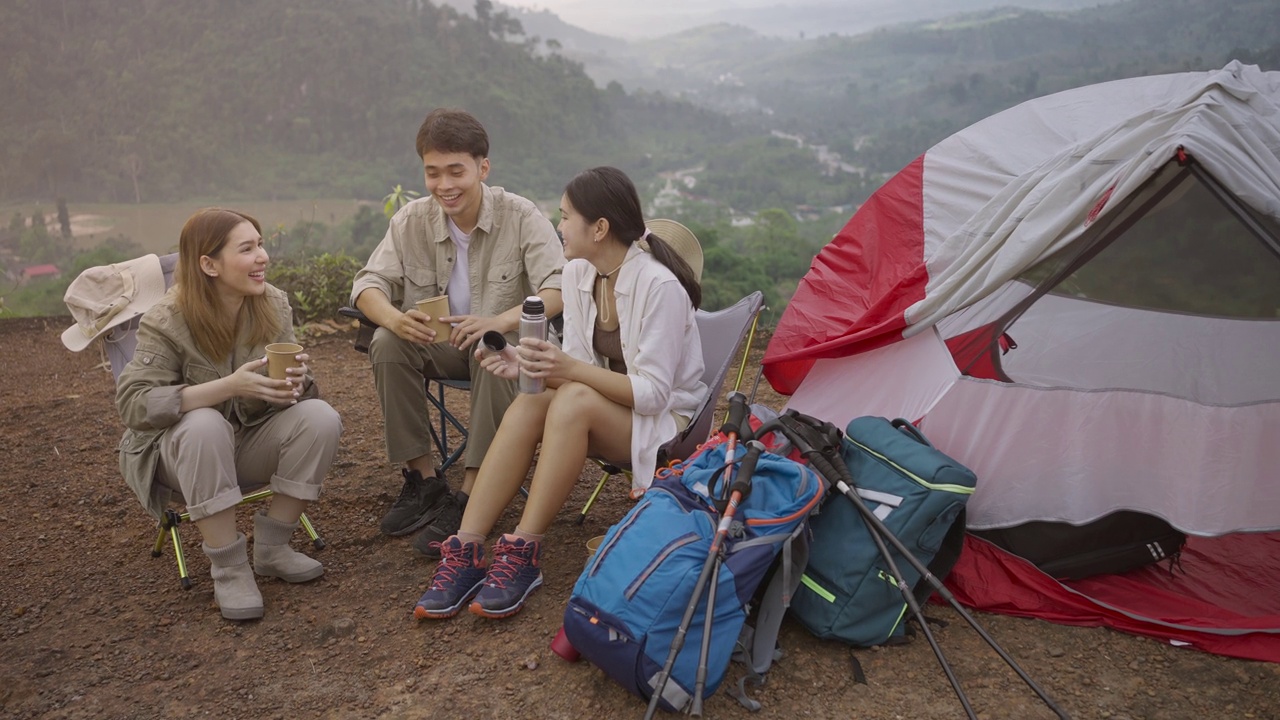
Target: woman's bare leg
{"points": [[507, 462], [219, 529], [579, 419]]}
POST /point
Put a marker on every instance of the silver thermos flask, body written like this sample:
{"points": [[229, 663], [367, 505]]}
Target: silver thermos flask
{"points": [[533, 324]]}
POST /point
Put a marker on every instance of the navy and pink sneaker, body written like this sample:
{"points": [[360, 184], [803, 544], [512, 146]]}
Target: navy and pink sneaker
{"points": [[458, 577], [516, 571]]}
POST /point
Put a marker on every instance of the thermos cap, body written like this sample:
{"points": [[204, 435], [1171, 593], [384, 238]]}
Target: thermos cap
{"points": [[533, 306], [494, 341]]}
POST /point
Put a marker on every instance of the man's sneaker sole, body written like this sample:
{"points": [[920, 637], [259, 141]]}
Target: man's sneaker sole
{"points": [[478, 609], [423, 613]]}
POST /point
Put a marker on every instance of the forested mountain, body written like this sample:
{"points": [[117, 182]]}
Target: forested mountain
{"points": [[633, 19], [883, 97], [151, 100], [145, 100]]}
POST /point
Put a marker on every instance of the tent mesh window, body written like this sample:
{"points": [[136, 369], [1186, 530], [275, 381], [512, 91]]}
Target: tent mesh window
{"points": [[1177, 293]]}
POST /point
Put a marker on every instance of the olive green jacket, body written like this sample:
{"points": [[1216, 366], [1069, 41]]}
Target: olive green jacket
{"points": [[149, 391]]}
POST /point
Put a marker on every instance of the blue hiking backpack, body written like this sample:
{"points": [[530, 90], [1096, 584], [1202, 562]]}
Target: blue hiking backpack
{"points": [[627, 605]]}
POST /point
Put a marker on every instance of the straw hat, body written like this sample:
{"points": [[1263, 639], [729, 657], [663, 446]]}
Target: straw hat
{"points": [[682, 240], [108, 295]]}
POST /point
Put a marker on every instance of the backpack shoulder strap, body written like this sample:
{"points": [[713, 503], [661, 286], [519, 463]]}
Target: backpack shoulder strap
{"points": [[757, 647]]}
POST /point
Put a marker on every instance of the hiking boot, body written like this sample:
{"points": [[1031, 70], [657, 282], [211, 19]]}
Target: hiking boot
{"points": [[457, 579], [448, 518], [418, 497], [516, 571]]}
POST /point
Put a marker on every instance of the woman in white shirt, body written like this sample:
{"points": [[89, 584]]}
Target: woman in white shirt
{"points": [[628, 378]]}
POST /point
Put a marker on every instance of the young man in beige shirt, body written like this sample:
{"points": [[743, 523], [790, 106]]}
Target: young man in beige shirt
{"points": [[487, 249]]}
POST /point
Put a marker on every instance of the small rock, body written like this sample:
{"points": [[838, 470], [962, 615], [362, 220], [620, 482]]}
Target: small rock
{"points": [[340, 627]]}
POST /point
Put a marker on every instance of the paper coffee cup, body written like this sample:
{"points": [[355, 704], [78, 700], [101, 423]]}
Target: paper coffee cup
{"points": [[281, 356], [437, 307]]}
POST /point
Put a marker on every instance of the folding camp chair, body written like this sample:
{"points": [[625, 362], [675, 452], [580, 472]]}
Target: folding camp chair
{"points": [[722, 334], [435, 391], [435, 395], [121, 342]]}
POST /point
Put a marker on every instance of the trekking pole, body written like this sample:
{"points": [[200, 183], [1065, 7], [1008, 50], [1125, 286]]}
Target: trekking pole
{"points": [[907, 595], [737, 411], [879, 533], [708, 620], [880, 529], [738, 492], [732, 428]]}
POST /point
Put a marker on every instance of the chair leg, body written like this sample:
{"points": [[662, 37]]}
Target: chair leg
{"points": [[604, 478], [169, 523], [608, 470], [316, 540], [441, 435], [172, 519]]}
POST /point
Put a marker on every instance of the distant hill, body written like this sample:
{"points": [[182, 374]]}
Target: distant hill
{"points": [[776, 18], [880, 98], [151, 100]]}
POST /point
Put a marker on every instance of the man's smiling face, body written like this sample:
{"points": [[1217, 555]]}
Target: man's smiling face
{"points": [[455, 179]]}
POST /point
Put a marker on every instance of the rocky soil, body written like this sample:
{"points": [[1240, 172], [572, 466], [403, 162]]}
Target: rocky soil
{"points": [[91, 626]]}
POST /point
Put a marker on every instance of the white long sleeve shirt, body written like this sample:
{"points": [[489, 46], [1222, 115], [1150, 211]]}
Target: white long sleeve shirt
{"points": [[660, 345]]}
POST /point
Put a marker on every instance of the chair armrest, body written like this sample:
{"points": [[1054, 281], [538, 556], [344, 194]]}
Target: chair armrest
{"points": [[355, 314], [364, 335]]}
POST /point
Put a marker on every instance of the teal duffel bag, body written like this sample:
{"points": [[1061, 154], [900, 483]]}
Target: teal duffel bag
{"points": [[847, 592]]}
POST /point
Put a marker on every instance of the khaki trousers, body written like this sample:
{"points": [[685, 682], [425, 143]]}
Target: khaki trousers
{"points": [[399, 370], [205, 459]]}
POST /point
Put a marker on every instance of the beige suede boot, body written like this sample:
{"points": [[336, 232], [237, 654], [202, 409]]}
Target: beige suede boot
{"points": [[272, 556], [234, 588]]}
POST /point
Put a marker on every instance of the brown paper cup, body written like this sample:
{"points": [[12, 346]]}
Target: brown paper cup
{"points": [[437, 307], [593, 545], [279, 357]]}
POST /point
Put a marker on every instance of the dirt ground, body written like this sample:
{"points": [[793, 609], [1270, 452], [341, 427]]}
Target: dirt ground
{"points": [[92, 626]]}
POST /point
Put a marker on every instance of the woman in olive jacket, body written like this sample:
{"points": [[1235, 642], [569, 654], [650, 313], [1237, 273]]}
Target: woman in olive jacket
{"points": [[204, 420]]}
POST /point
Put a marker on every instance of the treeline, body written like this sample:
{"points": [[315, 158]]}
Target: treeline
{"points": [[151, 100]]}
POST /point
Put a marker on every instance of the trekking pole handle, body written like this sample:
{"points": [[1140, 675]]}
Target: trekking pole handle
{"points": [[742, 481], [737, 414]]}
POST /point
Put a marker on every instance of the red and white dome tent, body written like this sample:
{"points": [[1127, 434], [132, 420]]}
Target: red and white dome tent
{"points": [[1079, 298]]}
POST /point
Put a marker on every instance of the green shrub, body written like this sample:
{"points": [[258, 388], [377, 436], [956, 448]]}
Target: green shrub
{"points": [[317, 285]]}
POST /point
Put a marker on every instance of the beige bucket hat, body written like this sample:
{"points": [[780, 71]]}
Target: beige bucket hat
{"points": [[682, 240], [105, 296]]}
